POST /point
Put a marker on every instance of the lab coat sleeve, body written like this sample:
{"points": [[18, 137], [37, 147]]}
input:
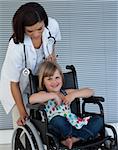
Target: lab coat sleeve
{"points": [[11, 71], [6, 97], [54, 29], [13, 63], [58, 33]]}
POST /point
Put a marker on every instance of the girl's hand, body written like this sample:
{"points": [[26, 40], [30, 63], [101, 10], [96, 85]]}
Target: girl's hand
{"points": [[77, 93], [22, 119], [58, 100], [68, 98], [61, 96]]}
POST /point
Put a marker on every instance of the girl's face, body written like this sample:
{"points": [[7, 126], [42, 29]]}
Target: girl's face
{"points": [[53, 83], [35, 31]]}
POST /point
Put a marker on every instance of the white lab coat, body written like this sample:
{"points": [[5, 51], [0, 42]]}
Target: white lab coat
{"points": [[14, 63]]}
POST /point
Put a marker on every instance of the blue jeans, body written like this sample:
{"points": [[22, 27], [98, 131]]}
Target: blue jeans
{"points": [[60, 127]]}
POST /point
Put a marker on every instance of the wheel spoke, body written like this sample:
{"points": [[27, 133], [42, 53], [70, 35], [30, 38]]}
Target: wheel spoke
{"points": [[19, 145]]}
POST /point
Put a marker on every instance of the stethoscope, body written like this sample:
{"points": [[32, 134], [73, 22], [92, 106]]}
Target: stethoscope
{"points": [[51, 42], [26, 71]]}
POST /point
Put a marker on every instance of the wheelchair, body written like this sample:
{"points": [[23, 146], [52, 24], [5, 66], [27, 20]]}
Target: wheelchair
{"points": [[35, 131]]}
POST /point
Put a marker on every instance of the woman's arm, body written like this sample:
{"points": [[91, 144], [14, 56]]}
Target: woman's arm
{"points": [[77, 93], [15, 89], [52, 57], [42, 97]]}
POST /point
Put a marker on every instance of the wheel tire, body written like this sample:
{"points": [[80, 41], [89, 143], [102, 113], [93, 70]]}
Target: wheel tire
{"points": [[31, 137]]}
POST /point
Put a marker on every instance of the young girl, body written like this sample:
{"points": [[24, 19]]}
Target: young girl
{"points": [[62, 122]]}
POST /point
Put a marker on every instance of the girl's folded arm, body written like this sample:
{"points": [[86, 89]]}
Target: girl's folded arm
{"points": [[81, 93], [41, 97]]}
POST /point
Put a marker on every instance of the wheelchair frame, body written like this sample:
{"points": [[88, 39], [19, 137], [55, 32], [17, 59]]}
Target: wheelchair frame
{"points": [[35, 131]]}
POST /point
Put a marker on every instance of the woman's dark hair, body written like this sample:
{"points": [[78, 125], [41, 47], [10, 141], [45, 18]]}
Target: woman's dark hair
{"points": [[27, 15]]}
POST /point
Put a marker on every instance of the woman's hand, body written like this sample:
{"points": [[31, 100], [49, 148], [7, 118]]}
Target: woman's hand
{"points": [[22, 119], [51, 57]]}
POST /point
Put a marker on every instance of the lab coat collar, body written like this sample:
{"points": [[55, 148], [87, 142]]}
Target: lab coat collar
{"points": [[27, 40], [45, 36]]}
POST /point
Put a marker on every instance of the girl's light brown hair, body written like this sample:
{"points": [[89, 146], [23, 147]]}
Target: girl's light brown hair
{"points": [[47, 69]]}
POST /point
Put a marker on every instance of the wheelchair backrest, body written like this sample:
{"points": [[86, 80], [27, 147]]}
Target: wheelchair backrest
{"points": [[34, 83], [70, 78]]}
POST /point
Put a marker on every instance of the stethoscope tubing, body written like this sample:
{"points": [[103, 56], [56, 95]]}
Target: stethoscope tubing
{"points": [[26, 71]]}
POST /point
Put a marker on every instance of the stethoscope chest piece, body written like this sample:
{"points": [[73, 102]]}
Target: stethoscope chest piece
{"points": [[26, 72]]}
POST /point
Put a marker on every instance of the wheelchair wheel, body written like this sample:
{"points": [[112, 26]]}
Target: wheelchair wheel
{"points": [[26, 138]]}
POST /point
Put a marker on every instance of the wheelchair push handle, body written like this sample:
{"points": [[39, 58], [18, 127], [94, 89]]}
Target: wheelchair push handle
{"points": [[70, 67]]}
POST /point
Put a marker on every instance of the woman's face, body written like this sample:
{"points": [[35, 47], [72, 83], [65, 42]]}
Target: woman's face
{"points": [[35, 31], [53, 83]]}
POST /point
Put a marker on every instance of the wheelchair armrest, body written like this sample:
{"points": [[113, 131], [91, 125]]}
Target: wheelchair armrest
{"points": [[37, 112], [36, 106], [93, 99]]}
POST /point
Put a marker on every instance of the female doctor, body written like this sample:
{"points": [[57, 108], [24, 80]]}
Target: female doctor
{"points": [[33, 39]]}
